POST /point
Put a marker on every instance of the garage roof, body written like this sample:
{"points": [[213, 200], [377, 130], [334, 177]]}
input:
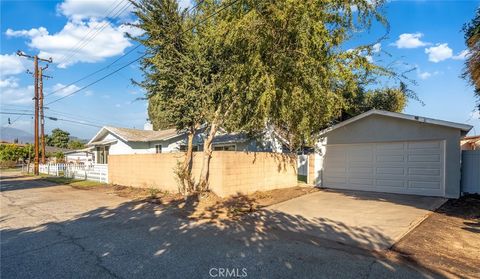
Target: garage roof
{"points": [[463, 127]]}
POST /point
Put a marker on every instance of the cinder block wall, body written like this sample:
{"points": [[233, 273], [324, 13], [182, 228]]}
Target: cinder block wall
{"points": [[230, 172]]}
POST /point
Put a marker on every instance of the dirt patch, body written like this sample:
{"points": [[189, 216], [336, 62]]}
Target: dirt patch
{"points": [[206, 206], [448, 240]]}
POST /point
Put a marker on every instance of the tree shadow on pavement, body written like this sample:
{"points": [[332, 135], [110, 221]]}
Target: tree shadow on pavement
{"points": [[139, 239], [23, 182]]}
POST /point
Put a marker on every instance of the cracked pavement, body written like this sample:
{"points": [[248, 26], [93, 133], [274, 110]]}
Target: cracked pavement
{"points": [[55, 231]]}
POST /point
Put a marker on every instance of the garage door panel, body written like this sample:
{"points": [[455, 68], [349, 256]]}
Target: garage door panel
{"points": [[424, 158], [390, 158], [424, 171], [397, 183], [400, 167], [390, 146], [424, 145], [390, 170], [424, 184], [361, 170]]}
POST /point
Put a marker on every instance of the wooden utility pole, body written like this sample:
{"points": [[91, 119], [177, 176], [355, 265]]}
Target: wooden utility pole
{"points": [[36, 99], [42, 118]]}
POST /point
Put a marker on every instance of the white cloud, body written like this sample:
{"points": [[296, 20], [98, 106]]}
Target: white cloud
{"points": [[11, 64], [110, 42], [16, 95], [408, 40], [78, 10], [424, 75], [9, 82], [64, 91], [27, 33], [377, 47], [439, 53], [462, 55]]}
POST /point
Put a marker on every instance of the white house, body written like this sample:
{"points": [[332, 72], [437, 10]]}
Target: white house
{"points": [[82, 156], [115, 141]]}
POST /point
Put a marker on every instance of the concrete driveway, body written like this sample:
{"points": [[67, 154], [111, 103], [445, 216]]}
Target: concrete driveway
{"points": [[55, 231], [365, 219]]}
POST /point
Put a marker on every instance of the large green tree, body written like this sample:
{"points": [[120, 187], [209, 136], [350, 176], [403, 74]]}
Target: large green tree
{"points": [[472, 64], [175, 71], [252, 63], [58, 138]]}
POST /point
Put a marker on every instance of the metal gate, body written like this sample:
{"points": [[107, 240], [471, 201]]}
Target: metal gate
{"points": [[470, 171]]}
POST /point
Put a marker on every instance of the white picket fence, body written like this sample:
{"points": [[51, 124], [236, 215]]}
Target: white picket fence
{"points": [[94, 172]]}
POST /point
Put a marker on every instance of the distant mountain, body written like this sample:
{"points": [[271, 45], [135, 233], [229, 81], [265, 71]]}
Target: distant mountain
{"points": [[10, 134], [84, 141]]}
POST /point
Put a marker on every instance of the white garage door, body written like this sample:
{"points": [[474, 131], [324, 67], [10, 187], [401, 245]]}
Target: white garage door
{"points": [[414, 167]]}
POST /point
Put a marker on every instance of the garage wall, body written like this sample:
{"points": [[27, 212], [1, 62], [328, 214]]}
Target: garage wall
{"points": [[379, 128]]}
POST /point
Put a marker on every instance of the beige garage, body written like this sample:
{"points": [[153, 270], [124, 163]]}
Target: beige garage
{"points": [[392, 152]]}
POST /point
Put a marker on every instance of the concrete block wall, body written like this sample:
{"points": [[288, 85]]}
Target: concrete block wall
{"points": [[230, 172]]}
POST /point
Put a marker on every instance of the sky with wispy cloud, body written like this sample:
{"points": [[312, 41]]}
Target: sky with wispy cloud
{"points": [[84, 36]]}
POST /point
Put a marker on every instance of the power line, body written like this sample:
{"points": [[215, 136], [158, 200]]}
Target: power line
{"points": [[53, 118], [77, 45], [109, 65], [73, 121], [95, 34], [91, 74], [135, 60]]}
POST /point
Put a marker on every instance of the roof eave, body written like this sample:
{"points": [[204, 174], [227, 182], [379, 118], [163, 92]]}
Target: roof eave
{"points": [[463, 127]]}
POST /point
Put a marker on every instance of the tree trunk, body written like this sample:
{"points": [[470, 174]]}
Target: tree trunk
{"points": [[207, 155], [187, 163]]}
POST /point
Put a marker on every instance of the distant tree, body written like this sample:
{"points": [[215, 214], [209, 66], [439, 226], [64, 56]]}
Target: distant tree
{"points": [[58, 138], [472, 63], [389, 99], [75, 144]]}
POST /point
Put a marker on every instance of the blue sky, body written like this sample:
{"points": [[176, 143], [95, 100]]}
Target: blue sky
{"points": [[423, 34]]}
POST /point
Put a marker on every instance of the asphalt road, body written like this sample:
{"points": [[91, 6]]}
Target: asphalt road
{"points": [[53, 231]]}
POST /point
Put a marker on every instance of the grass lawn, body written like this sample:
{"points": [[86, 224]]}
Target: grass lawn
{"points": [[10, 170], [73, 182]]}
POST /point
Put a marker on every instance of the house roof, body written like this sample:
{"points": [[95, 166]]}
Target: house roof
{"points": [[470, 140], [135, 135], [54, 149], [463, 127]]}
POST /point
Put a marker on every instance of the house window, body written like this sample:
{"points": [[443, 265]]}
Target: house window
{"points": [[183, 148], [230, 147], [158, 148], [102, 152]]}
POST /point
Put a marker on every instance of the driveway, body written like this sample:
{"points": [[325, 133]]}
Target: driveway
{"points": [[55, 231], [364, 219]]}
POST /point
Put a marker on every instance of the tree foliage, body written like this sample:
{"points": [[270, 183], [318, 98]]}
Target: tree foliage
{"points": [[15, 152], [246, 64], [389, 99], [58, 138], [75, 144], [472, 64], [284, 63]]}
